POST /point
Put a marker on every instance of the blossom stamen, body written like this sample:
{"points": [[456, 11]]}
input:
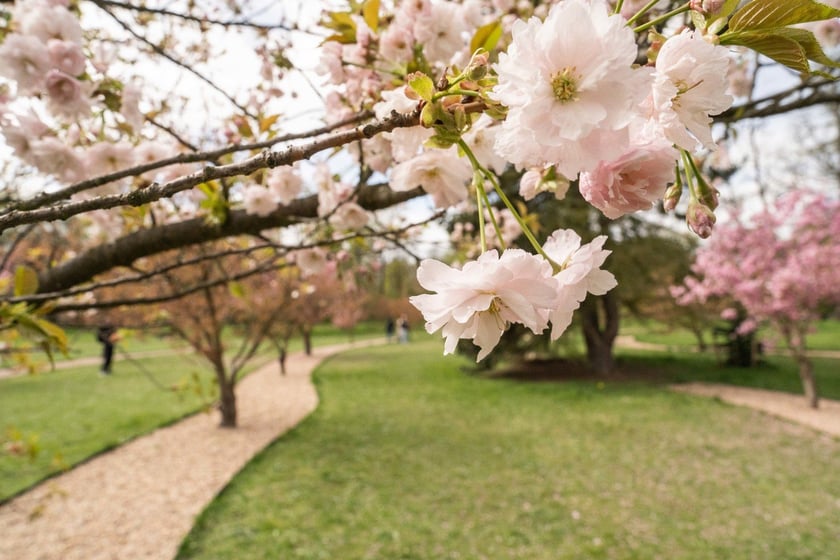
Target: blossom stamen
{"points": [[565, 85]]}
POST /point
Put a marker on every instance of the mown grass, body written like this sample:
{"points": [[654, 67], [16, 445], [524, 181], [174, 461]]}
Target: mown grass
{"points": [[826, 335], [56, 419], [408, 458]]}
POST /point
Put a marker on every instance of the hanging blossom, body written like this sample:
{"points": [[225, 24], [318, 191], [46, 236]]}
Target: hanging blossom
{"points": [[570, 88], [481, 300], [581, 274]]}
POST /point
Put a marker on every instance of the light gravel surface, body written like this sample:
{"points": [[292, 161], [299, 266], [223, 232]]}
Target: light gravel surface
{"points": [[140, 500], [790, 407]]}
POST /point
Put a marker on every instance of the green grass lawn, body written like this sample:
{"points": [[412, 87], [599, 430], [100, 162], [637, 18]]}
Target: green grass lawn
{"points": [[776, 373], [67, 415], [826, 335], [408, 458]]}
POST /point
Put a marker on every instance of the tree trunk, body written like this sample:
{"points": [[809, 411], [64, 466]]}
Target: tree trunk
{"points": [[809, 384], [795, 339], [600, 319], [307, 342], [227, 404]]}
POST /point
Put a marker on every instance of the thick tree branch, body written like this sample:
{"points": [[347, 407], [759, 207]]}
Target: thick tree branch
{"points": [[144, 243], [265, 159]]}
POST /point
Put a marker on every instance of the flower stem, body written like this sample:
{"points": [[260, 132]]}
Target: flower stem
{"points": [[682, 9]]}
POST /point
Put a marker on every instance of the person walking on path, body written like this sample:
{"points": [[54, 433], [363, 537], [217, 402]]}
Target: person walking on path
{"points": [[107, 336]]}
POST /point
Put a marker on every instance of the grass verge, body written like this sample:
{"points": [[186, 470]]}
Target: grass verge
{"points": [[408, 458]]}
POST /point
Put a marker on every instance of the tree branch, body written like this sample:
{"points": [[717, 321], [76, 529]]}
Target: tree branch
{"points": [[143, 243], [190, 17]]}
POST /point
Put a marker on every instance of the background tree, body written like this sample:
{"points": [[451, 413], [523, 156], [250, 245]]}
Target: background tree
{"points": [[780, 267]]}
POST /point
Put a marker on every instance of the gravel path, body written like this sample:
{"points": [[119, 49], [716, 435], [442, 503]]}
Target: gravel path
{"points": [[783, 405], [140, 500]]}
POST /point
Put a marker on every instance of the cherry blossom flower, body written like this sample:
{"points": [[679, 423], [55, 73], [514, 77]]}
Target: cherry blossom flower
{"points": [[284, 183], [634, 181], [441, 31], [350, 216], [690, 85], [258, 200], [65, 95], [52, 156], [481, 139], [311, 261], [24, 59], [570, 87], [536, 181], [47, 22], [580, 274], [482, 299], [66, 56], [108, 157], [441, 173]]}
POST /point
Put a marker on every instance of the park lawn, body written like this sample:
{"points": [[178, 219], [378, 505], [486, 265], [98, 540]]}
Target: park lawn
{"points": [[776, 373], [826, 335], [407, 457]]}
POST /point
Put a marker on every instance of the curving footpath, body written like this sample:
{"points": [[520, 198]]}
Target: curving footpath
{"points": [[787, 406], [140, 500]]}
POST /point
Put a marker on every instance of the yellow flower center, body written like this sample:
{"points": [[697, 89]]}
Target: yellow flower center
{"points": [[565, 85]]}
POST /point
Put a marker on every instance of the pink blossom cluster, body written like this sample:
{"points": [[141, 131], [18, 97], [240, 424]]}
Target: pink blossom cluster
{"points": [[481, 300], [578, 102], [780, 266]]}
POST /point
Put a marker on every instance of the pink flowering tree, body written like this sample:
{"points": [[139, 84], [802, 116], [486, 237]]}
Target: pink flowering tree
{"points": [[120, 122], [779, 267]]}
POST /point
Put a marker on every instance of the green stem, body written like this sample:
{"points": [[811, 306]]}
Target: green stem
{"points": [[618, 6], [457, 91], [647, 7], [682, 9], [480, 196], [690, 173]]}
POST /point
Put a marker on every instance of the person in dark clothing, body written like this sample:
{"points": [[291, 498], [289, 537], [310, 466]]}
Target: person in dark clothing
{"points": [[107, 336], [389, 329]]}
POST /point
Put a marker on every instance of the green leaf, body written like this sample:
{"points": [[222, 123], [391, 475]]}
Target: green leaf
{"points": [[792, 47], [370, 13], [236, 289], [422, 85], [26, 281], [769, 14], [487, 36]]}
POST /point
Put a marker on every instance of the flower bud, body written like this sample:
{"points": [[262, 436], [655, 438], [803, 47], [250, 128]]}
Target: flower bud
{"points": [[706, 7], [709, 196], [477, 68], [672, 197], [700, 219]]}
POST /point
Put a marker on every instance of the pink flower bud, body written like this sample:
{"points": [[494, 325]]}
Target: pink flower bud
{"points": [[672, 197], [700, 219], [706, 7]]}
